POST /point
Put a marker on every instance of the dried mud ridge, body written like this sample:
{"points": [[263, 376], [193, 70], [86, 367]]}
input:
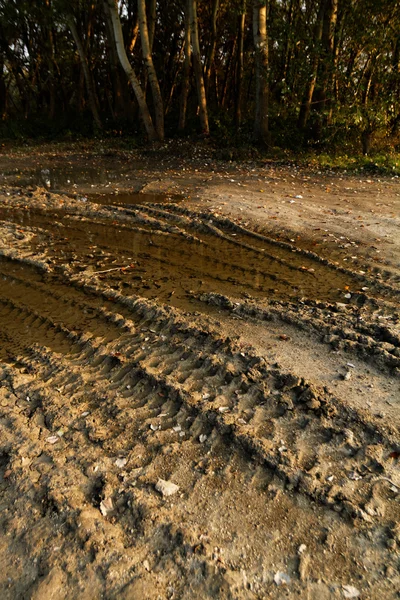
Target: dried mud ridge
{"points": [[103, 392]]}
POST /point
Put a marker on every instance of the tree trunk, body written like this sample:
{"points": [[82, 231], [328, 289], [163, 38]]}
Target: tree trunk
{"points": [[328, 59], [91, 92], [121, 101], [3, 90], [186, 72], [213, 43], [151, 72], [240, 66], [260, 36], [228, 69], [152, 22], [130, 73], [305, 108], [198, 69]]}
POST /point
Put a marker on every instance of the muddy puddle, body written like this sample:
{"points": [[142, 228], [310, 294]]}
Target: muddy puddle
{"points": [[148, 255], [129, 198], [89, 185]]}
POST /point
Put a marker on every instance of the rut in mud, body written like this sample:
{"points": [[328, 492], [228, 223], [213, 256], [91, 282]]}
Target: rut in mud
{"points": [[130, 353]]}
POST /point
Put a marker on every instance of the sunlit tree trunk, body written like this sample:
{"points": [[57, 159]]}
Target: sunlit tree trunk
{"points": [[260, 36], [151, 72], [198, 69], [130, 73], [119, 88], [91, 92]]}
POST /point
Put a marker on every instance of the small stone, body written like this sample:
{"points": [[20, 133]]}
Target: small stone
{"points": [[106, 506], [301, 548], [53, 439], [121, 462], [223, 409], [281, 578], [146, 565], [166, 488], [177, 428], [349, 591], [347, 376], [153, 427], [391, 544], [202, 438]]}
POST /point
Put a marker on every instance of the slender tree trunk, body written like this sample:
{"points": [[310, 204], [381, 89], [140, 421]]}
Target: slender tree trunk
{"points": [[240, 66], [151, 22], [328, 46], [3, 90], [213, 44], [91, 92], [305, 108], [228, 69], [198, 69], [173, 81], [260, 36], [151, 72], [186, 72], [130, 73], [134, 34], [120, 106]]}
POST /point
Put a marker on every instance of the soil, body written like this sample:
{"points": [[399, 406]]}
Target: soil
{"points": [[199, 378]]}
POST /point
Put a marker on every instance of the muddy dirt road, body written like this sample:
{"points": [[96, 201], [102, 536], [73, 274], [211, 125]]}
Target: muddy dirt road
{"points": [[199, 384]]}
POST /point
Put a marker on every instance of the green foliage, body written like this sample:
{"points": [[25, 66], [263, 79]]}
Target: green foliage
{"points": [[355, 103]]}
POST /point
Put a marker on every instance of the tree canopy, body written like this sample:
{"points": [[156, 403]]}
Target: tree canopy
{"points": [[282, 72]]}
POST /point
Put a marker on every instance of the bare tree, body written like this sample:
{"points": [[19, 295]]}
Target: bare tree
{"points": [[123, 58]]}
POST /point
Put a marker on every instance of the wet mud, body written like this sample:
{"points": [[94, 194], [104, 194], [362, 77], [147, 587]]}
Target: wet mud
{"points": [[148, 342]]}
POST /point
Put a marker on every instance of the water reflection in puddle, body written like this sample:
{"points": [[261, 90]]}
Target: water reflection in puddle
{"points": [[74, 181]]}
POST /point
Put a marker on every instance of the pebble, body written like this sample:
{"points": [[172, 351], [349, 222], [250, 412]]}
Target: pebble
{"points": [[281, 578], [202, 438], [106, 506], [166, 488], [121, 462], [53, 439], [349, 591]]}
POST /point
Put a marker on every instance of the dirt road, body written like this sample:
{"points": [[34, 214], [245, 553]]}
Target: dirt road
{"points": [[199, 396]]}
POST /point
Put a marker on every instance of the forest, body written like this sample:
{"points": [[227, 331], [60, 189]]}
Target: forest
{"points": [[285, 73]]}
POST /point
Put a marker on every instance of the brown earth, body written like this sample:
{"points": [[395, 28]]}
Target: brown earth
{"points": [[242, 343]]}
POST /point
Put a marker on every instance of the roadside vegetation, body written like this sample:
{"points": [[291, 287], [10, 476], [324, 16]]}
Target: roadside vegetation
{"points": [[319, 77]]}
